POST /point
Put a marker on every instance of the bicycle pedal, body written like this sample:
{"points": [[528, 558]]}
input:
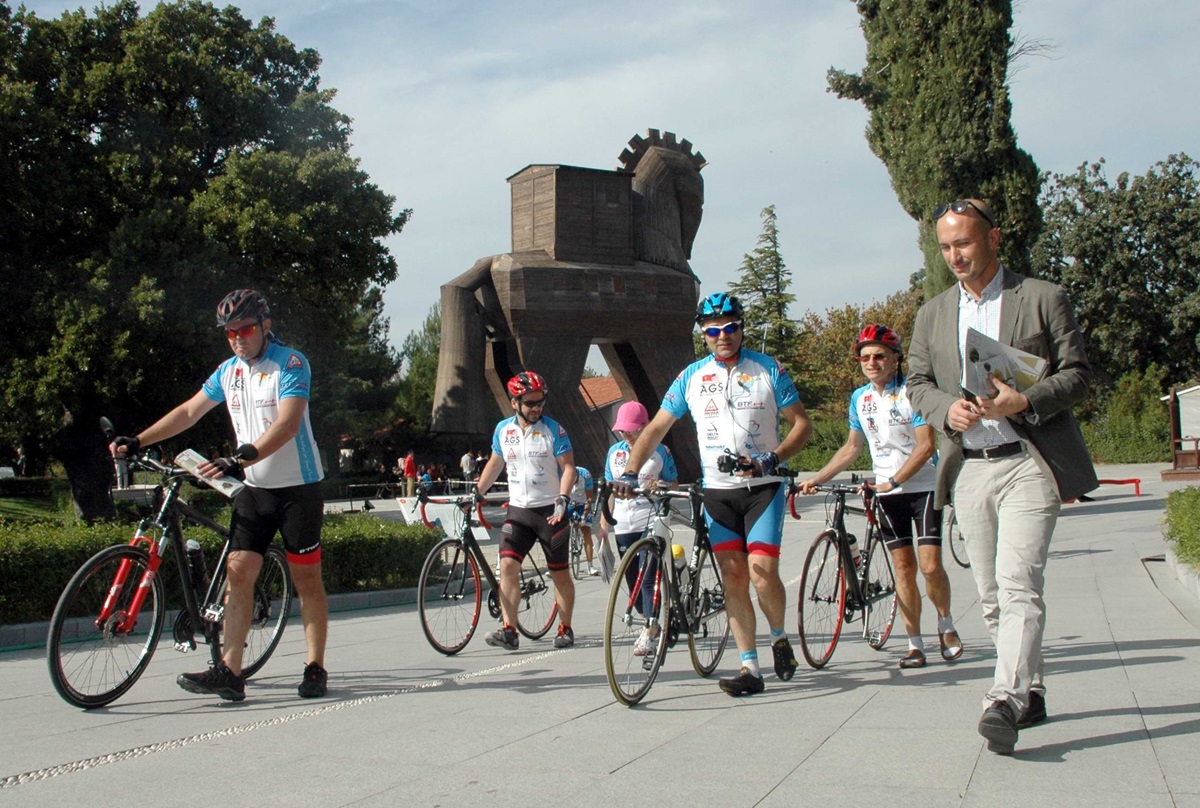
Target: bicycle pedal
{"points": [[184, 647], [214, 614]]}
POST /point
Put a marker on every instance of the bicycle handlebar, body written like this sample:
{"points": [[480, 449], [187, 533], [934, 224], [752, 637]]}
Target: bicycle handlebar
{"points": [[463, 502], [659, 491]]}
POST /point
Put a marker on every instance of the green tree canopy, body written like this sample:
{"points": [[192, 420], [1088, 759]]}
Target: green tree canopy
{"points": [[1129, 253], [151, 164], [935, 86], [762, 286]]}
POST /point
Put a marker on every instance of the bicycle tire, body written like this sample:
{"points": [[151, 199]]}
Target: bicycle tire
{"points": [[91, 665], [954, 538], [273, 593], [822, 600], [577, 552], [629, 674], [536, 607], [708, 623], [449, 596], [879, 611]]}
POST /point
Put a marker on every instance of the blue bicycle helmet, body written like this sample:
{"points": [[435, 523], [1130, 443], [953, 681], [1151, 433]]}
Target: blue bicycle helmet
{"points": [[719, 304]]}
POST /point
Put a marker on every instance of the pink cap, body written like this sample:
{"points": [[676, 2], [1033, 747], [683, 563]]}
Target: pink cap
{"points": [[631, 417]]}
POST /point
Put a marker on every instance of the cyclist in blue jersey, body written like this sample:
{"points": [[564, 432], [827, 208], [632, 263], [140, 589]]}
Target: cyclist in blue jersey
{"points": [[582, 495], [905, 466], [265, 389], [736, 398], [537, 455]]}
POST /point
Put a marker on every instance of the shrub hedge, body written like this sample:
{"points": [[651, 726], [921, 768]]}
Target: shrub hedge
{"points": [[1181, 525], [38, 558]]}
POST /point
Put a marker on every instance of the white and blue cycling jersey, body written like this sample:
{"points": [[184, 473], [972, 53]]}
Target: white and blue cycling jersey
{"points": [[584, 485], [888, 422], [531, 459], [251, 394], [735, 406], [633, 515]]}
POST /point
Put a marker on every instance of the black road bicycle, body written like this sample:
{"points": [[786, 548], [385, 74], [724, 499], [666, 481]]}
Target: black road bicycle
{"points": [[96, 648], [450, 591], [834, 590], [954, 537], [684, 597]]}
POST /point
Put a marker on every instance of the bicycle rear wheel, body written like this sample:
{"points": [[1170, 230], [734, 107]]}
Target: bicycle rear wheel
{"points": [[879, 612], [577, 551], [537, 607], [822, 600], [272, 606], [630, 672], [91, 662], [449, 597], [954, 538], [708, 623]]}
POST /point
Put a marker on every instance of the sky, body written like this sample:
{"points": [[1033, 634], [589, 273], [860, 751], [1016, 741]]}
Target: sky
{"points": [[450, 97]]}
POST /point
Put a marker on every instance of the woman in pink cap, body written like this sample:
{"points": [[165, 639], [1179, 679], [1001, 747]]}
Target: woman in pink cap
{"points": [[633, 515]]}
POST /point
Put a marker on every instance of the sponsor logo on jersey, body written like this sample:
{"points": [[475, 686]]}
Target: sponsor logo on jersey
{"points": [[262, 378], [238, 382], [294, 361], [712, 433], [711, 387], [512, 455], [708, 377], [711, 409], [235, 403]]}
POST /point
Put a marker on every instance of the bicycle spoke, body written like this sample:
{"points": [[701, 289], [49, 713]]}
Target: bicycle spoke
{"points": [[821, 601], [632, 667]]}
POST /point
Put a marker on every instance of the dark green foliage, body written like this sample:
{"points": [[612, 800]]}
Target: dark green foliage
{"points": [[149, 165], [762, 286], [359, 553], [1129, 253], [1131, 424], [935, 86], [1181, 525]]}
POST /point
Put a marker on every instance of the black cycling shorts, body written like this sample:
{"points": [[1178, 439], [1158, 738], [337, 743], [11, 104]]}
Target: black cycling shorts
{"points": [[899, 513], [526, 526], [295, 512]]}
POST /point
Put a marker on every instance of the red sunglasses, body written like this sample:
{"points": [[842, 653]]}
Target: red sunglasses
{"points": [[245, 332]]}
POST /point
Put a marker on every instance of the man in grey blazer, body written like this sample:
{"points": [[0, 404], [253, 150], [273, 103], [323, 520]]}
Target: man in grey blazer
{"points": [[1008, 461]]}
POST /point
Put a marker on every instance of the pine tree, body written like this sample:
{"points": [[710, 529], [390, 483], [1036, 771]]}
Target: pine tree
{"points": [[762, 286], [935, 85]]}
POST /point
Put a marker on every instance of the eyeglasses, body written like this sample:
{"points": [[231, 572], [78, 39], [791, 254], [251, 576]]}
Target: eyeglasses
{"points": [[714, 331], [960, 206], [245, 332], [533, 405], [877, 358]]}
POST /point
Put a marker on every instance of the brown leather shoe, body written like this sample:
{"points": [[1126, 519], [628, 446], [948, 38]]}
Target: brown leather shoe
{"points": [[913, 659], [952, 646]]}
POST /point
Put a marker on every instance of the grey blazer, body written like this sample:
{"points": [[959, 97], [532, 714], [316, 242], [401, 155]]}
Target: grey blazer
{"points": [[1035, 316]]}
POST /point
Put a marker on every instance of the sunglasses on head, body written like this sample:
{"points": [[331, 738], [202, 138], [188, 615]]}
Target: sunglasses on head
{"points": [[245, 332], [714, 331], [960, 206]]}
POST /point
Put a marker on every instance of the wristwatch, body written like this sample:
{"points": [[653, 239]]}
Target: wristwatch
{"points": [[892, 480]]}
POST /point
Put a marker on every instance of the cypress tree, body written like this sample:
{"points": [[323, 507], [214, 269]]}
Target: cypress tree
{"points": [[935, 87]]}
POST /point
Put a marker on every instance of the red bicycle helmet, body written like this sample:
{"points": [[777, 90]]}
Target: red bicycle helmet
{"points": [[526, 382], [878, 335], [242, 304]]}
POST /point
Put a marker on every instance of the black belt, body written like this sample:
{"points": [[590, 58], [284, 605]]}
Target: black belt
{"points": [[993, 452]]}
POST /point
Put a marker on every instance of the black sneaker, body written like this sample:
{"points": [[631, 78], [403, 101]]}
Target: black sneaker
{"points": [[785, 659], [1035, 713], [217, 681], [504, 638], [999, 726], [313, 685], [565, 638], [744, 684]]}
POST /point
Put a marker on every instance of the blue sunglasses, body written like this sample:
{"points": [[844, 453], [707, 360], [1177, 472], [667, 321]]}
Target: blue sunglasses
{"points": [[715, 331]]}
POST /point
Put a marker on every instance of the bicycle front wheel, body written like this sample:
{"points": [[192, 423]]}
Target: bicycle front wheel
{"points": [[635, 642], [92, 660], [272, 606], [822, 600], [537, 607], [449, 597], [708, 623], [879, 611], [954, 537]]}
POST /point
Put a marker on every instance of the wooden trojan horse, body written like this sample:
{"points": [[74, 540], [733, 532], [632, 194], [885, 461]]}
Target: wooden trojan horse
{"points": [[598, 257]]}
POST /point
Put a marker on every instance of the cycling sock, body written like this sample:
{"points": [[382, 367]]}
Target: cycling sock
{"points": [[750, 662], [945, 624], [777, 634], [916, 642]]}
